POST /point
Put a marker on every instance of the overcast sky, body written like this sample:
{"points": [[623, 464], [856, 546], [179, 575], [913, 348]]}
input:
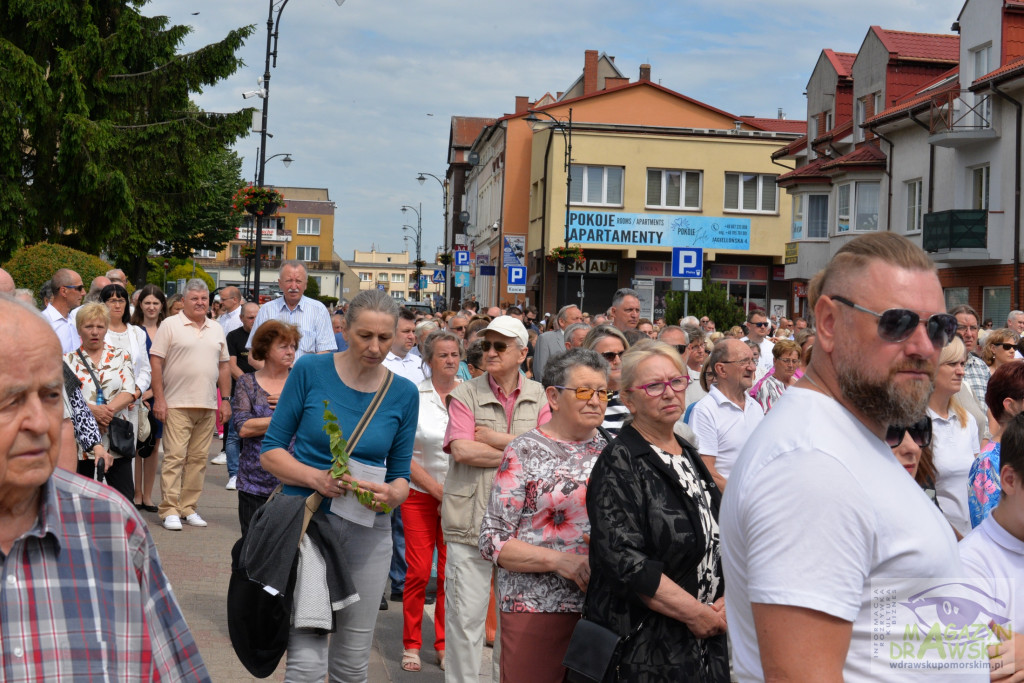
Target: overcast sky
{"points": [[363, 94]]}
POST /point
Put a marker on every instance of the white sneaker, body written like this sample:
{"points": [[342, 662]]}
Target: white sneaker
{"points": [[172, 523], [231, 486], [221, 459], [194, 520]]}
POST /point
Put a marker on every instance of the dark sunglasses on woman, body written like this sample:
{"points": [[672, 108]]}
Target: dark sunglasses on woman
{"points": [[920, 432]]}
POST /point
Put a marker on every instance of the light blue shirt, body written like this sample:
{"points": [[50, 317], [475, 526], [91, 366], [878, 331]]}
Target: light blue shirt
{"points": [[309, 315]]}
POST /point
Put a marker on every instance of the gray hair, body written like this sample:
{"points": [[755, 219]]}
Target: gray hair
{"points": [[196, 285], [600, 332], [622, 294], [25, 295], [669, 328], [563, 312], [568, 332], [373, 300], [689, 321], [46, 290], [719, 354], [1013, 315], [693, 333], [556, 370], [433, 338], [294, 263]]}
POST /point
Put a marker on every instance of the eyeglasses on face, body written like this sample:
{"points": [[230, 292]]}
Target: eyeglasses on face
{"points": [[655, 389], [1007, 346], [457, 329], [499, 346], [749, 360], [80, 288], [586, 393], [681, 348], [788, 361], [610, 356], [897, 324], [764, 324], [920, 432], [964, 328]]}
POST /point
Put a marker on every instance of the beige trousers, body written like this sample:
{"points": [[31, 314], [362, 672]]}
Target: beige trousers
{"points": [[187, 436]]}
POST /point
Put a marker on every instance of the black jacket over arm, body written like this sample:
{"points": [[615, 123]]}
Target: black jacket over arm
{"points": [[643, 525]]}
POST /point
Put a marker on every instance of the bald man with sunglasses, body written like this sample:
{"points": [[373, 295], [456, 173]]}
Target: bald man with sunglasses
{"points": [[818, 511]]}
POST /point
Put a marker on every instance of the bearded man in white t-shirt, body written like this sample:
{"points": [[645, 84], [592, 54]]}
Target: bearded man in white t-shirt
{"points": [[817, 506]]}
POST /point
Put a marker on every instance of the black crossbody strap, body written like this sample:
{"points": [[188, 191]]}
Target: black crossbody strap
{"points": [[95, 380]]}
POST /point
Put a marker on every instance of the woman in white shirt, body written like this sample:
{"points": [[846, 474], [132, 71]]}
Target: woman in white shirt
{"points": [[955, 437], [132, 340], [421, 512]]}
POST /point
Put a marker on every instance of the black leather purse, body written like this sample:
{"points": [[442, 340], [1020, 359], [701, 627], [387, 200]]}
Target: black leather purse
{"points": [[594, 651], [120, 430]]}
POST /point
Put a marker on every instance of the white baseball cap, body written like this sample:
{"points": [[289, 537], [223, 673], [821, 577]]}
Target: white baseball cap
{"points": [[507, 326]]}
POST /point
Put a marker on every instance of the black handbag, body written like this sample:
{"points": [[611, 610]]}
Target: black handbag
{"points": [[120, 430], [594, 651]]}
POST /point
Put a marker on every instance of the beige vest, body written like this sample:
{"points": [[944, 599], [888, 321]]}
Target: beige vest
{"points": [[468, 488]]}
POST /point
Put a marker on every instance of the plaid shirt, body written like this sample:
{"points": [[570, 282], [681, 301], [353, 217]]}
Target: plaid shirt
{"points": [[976, 374], [83, 596]]}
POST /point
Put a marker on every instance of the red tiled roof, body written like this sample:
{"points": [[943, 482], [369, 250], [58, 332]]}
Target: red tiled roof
{"points": [[1005, 70], [792, 148], [932, 47], [812, 172], [777, 125], [465, 129], [867, 155], [919, 98], [838, 132], [842, 62]]}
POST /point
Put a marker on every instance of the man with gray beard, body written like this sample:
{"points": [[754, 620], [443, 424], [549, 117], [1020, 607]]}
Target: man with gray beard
{"points": [[817, 507]]}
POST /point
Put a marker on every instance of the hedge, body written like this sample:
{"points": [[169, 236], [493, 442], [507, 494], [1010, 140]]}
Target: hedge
{"points": [[32, 266]]}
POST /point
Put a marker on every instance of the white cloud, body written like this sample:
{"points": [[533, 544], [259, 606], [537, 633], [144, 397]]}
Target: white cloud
{"points": [[363, 94]]}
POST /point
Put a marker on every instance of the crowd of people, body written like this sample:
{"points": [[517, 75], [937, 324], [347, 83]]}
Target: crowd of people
{"points": [[720, 502]]}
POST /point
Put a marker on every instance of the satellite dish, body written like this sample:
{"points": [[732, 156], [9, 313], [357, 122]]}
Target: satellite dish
{"points": [[473, 158], [464, 216]]}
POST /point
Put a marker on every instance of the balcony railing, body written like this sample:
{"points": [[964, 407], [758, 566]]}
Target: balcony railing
{"points": [[269, 234], [960, 117], [955, 230]]}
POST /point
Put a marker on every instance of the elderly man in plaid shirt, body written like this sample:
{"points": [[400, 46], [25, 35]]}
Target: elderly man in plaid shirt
{"points": [[976, 373], [83, 595]]}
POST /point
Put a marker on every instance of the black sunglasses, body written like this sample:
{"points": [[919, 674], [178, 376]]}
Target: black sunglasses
{"points": [[681, 348], [610, 356], [500, 347], [761, 324], [897, 324], [920, 432], [1007, 346]]}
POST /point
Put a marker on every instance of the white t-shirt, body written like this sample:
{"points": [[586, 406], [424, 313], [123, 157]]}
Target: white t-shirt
{"points": [[954, 449], [694, 392], [817, 506], [990, 551], [722, 428], [767, 361]]}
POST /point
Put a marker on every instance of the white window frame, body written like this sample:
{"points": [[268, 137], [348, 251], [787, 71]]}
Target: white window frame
{"points": [[981, 63], [914, 213], [796, 231], [581, 180], [807, 216], [308, 226], [205, 253], [759, 200], [302, 250], [684, 181], [828, 120], [398, 278], [983, 174], [844, 200], [365, 277], [858, 196]]}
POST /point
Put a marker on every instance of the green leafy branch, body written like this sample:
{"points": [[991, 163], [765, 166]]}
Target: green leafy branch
{"points": [[339, 449]]}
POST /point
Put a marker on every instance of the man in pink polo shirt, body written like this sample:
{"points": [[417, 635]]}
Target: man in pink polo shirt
{"points": [[485, 414], [190, 359]]}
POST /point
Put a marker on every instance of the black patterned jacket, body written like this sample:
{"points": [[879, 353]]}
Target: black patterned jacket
{"points": [[643, 525]]}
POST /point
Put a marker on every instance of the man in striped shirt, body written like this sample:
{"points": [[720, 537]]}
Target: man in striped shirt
{"points": [[309, 315], [82, 595]]}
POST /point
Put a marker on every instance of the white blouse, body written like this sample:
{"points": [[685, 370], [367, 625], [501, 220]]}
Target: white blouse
{"points": [[430, 431]]}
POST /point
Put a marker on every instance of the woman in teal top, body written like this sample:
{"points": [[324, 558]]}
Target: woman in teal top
{"points": [[348, 380]]}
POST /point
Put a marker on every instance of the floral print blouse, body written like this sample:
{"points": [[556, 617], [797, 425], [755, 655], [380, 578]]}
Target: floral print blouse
{"points": [[539, 497], [984, 489], [251, 401], [115, 374]]}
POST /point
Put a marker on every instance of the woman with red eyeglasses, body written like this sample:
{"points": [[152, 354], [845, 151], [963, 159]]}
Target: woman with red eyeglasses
{"points": [[611, 344]]}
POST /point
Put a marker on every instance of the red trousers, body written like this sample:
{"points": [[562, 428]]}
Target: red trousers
{"points": [[421, 517]]}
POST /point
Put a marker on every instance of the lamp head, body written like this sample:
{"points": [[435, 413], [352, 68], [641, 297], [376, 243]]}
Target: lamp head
{"points": [[404, 209], [422, 178], [287, 161]]}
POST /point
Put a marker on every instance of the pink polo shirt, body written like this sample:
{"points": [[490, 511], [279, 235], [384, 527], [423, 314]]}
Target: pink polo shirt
{"points": [[462, 423]]}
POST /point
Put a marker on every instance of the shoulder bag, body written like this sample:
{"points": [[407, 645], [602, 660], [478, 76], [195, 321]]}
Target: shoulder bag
{"points": [[120, 430]]}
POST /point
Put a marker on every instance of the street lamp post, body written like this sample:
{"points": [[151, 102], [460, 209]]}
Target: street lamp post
{"points": [[422, 177], [255, 235], [419, 242], [565, 128]]}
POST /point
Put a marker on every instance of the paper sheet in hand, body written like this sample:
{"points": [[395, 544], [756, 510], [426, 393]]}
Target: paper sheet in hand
{"points": [[348, 506]]}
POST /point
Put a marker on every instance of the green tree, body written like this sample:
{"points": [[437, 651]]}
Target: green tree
{"points": [[713, 301], [101, 147], [32, 266]]}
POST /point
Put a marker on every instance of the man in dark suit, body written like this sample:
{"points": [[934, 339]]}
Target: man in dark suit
{"points": [[553, 342]]}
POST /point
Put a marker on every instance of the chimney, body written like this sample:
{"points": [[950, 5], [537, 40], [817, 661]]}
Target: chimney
{"points": [[589, 71], [522, 103], [615, 82], [645, 72], [782, 114]]}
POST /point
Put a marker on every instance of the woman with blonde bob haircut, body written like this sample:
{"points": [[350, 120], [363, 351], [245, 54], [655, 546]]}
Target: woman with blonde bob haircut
{"points": [[955, 442], [655, 555]]}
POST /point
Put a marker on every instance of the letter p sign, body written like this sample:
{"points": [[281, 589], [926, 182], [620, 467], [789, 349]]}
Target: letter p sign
{"points": [[687, 262]]}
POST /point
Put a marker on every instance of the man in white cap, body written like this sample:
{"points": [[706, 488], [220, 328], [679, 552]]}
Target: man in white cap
{"points": [[485, 414]]}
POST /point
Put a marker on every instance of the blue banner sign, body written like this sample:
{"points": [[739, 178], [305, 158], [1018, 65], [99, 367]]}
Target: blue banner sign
{"points": [[658, 230]]}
